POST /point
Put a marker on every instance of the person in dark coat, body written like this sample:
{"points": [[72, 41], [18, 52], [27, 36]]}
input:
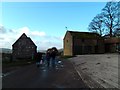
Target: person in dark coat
{"points": [[38, 58], [48, 56], [54, 53]]}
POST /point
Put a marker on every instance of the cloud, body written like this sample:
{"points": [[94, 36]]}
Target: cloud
{"points": [[2, 29], [24, 30], [27, 31], [37, 33], [48, 41], [43, 41], [1, 38], [44, 45]]}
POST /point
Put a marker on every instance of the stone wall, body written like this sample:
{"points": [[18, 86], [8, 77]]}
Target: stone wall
{"points": [[68, 45]]}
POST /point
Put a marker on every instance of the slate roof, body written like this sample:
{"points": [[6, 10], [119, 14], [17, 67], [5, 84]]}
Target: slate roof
{"points": [[77, 34], [31, 41], [24, 36]]}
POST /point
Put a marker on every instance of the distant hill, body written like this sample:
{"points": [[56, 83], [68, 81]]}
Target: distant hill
{"points": [[5, 50], [60, 50], [44, 51]]}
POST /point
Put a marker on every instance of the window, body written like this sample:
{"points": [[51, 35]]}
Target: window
{"points": [[67, 40]]}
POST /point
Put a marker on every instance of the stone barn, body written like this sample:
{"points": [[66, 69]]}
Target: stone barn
{"points": [[24, 48], [76, 43], [112, 44]]}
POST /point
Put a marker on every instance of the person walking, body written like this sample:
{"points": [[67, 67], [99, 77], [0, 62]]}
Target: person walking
{"points": [[38, 58], [48, 56], [43, 58], [54, 53]]}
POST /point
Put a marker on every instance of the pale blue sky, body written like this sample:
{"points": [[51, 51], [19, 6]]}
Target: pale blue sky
{"points": [[50, 18]]}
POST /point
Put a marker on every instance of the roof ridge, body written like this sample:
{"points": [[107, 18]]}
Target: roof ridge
{"points": [[78, 34], [82, 32], [25, 37]]}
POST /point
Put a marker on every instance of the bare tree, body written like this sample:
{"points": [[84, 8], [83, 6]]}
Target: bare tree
{"points": [[117, 30], [107, 21], [97, 25], [110, 13]]}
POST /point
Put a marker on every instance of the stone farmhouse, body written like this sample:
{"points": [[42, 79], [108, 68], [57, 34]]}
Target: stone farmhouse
{"points": [[24, 48], [76, 43]]}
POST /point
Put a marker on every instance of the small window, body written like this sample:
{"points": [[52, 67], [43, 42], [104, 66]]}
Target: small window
{"points": [[67, 40]]}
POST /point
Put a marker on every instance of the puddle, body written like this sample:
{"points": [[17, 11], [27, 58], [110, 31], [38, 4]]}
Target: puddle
{"points": [[59, 62], [44, 70], [29, 62], [58, 86], [83, 63], [84, 69], [4, 75], [62, 66], [108, 57], [56, 68], [42, 67], [97, 63]]}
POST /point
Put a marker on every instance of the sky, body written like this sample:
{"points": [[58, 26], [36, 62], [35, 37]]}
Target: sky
{"points": [[44, 22]]}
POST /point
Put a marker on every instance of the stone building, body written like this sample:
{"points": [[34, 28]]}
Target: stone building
{"points": [[76, 43], [24, 48], [112, 44]]}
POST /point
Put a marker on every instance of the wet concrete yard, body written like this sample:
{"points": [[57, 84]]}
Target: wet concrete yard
{"points": [[100, 69], [63, 76]]}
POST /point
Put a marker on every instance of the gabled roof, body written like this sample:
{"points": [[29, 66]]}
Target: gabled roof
{"points": [[22, 37], [77, 34], [31, 41]]}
